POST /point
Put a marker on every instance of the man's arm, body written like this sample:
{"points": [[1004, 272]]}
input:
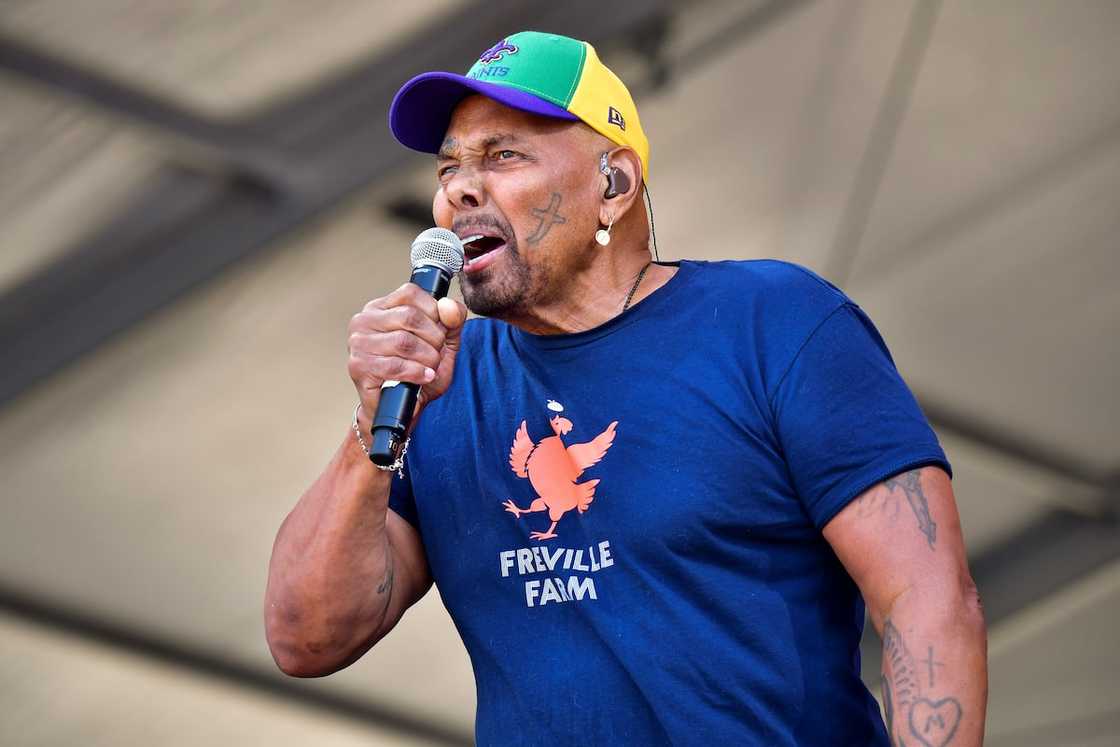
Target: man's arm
{"points": [[344, 566], [901, 542], [344, 569]]}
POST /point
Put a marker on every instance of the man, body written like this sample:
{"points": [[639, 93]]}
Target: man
{"points": [[651, 494]]}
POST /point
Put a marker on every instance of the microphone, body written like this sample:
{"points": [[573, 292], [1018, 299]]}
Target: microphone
{"points": [[436, 255]]}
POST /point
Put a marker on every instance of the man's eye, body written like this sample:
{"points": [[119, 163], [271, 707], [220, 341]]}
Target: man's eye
{"points": [[446, 171], [504, 154]]}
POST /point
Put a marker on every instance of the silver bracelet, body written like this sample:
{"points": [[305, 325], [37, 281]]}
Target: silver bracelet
{"points": [[397, 466]]}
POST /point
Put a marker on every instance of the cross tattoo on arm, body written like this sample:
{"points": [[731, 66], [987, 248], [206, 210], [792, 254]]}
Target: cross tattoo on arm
{"points": [[929, 661]]}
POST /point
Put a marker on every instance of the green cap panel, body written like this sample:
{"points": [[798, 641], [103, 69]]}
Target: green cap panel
{"points": [[545, 65]]}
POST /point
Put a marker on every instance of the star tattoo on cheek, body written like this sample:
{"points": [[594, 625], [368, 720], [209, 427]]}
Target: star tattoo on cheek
{"points": [[548, 217]]}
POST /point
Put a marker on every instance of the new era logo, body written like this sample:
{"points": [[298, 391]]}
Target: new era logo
{"points": [[614, 117]]}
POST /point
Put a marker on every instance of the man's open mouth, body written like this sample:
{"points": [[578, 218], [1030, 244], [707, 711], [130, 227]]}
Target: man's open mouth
{"points": [[480, 249]]}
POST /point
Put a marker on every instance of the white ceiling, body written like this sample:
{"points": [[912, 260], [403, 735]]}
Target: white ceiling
{"points": [[220, 57], [189, 440], [144, 484], [66, 171], [64, 690]]}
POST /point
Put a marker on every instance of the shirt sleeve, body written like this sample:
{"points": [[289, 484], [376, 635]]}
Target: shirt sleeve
{"points": [[845, 418], [401, 499]]}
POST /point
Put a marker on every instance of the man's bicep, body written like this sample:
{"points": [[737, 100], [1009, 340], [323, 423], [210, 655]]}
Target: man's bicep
{"points": [[902, 534], [411, 577]]}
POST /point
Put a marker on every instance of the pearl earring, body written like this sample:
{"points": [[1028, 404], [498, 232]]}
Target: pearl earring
{"points": [[603, 235]]}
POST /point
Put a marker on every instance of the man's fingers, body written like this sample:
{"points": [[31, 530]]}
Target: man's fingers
{"points": [[407, 318], [452, 313], [392, 368], [400, 343], [408, 294], [405, 336]]}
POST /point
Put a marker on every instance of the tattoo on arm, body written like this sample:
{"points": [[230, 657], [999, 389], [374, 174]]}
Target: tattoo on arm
{"points": [[935, 722], [548, 217], [932, 722], [929, 662], [910, 485], [898, 668], [386, 584], [888, 707]]}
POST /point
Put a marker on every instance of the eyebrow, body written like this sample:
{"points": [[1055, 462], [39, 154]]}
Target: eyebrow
{"points": [[450, 144]]}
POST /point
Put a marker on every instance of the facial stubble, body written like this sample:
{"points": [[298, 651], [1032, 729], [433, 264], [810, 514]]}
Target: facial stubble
{"points": [[498, 290]]}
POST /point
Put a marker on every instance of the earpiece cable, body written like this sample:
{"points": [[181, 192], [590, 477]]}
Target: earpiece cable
{"points": [[652, 230]]}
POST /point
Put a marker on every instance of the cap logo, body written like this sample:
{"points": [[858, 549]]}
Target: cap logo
{"points": [[497, 51], [614, 117]]}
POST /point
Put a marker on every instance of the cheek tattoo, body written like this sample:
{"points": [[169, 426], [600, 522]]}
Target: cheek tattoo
{"points": [[548, 217]]}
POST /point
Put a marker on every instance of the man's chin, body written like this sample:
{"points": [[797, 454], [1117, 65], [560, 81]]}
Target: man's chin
{"points": [[486, 306], [485, 299]]}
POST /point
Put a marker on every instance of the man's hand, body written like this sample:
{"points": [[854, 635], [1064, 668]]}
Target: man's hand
{"points": [[404, 336]]}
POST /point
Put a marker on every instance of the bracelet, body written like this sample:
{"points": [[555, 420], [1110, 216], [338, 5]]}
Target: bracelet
{"points": [[397, 466]]}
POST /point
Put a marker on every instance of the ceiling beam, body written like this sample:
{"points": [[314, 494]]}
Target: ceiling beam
{"points": [[276, 171], [236, 145], [319, 148], [879, 147], [284, 166], [126, 638], [1011, 444], [948, 229], [1052, 552]]}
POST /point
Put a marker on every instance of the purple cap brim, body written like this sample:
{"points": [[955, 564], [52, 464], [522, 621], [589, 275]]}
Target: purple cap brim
{"points": [[422, 108]]}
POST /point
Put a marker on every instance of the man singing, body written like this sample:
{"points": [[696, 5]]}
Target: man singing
{"points": [[655, 497]]}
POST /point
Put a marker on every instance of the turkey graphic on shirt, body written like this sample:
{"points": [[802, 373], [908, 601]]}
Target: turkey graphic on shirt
{"points": [[553, 468]]}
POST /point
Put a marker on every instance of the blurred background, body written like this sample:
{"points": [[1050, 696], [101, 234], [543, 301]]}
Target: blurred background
{"points": [[195, 195]]}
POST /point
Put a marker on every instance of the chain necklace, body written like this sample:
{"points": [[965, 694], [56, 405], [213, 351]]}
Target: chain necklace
{"points": [[630, 295]]}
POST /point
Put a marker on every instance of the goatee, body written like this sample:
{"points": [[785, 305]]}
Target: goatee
{"points": [[497, 292]]}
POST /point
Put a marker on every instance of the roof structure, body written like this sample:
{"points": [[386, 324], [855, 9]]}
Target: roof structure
{"points": [[196, 196]]}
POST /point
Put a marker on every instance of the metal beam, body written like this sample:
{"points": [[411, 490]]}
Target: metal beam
{"points": [[189, 225], [758, 17], [1089, 729], [1053, 551], [53, 616], [284, 167], [880, 140], [321, 147], [1058, 549], [239, 146], [1026, 187], [1013, 445]]}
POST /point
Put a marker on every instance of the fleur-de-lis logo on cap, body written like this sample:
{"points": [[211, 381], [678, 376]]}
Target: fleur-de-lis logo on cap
{"points": [[496, 52]]}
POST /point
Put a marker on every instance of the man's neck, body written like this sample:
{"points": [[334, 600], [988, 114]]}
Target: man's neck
{"points": [[597, 296]]}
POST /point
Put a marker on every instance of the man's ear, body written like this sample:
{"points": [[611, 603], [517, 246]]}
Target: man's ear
{"points": [[621, 184]]}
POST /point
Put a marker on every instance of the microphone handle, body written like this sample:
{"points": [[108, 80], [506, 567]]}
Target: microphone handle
{"points": [[398, 399]]}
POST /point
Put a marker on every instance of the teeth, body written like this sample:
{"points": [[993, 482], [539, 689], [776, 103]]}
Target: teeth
{"points": [[472, 239]]}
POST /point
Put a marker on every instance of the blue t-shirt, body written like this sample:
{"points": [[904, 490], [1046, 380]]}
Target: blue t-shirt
{"points": [[685, 455]]}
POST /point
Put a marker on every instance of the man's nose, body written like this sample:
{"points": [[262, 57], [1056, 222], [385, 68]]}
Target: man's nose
{"points": [[465, 189]]}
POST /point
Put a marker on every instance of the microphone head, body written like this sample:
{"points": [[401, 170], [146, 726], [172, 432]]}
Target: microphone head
{"points": [[439, 247]]}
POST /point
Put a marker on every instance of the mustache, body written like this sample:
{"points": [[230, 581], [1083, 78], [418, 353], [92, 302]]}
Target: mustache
{"points": [[480, 221]]}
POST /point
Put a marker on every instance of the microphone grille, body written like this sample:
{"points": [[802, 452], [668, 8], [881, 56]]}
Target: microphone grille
{"points": [[440, 247]]}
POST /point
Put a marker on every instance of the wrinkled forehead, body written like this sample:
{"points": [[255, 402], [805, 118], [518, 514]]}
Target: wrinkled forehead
{"points": [[478, 122]]}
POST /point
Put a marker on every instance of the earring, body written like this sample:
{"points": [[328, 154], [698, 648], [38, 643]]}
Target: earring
{"points": [[603, 235], [604, 165]]}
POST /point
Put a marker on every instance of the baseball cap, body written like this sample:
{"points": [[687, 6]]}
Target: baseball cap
{"points": [[546, 74]]}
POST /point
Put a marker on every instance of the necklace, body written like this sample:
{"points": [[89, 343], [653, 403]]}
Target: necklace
{"points": [[630, 295]]}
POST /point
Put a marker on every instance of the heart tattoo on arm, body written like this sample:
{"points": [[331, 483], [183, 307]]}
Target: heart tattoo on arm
{"points": [[935, 722]]}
